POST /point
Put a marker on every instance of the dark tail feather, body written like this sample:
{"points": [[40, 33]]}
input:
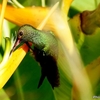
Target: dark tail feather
{"points": [[49, 68], [41, 78], [53, 74]]}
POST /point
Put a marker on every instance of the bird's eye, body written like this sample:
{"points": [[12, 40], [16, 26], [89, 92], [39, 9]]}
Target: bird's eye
{"points": [[20, 33]]}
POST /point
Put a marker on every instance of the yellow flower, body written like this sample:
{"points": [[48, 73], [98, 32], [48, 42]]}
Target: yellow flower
{"points": [[20, 16], [68, 57]]}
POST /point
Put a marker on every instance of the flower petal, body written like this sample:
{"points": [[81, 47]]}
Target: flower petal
{"points": [[13, 62], [29, 15]]}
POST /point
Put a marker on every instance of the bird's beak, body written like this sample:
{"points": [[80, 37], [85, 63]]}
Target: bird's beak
{"points": [[18, 41]]}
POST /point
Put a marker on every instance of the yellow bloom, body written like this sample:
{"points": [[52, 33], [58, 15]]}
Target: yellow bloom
{"points": [[59, 25]]}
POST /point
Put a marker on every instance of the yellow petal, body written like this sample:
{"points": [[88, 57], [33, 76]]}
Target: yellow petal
{"points": [[29, 15], [65, 7], [13, 62]]}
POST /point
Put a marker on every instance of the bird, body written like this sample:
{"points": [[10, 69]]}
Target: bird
{"points": [[45, 51]]}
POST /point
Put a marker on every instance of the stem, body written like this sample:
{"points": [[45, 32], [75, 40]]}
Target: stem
{"points": [[2, 17], [7, 51], [17, 4], [65, 7], [43, 3], [96, 3], [18, 85]]}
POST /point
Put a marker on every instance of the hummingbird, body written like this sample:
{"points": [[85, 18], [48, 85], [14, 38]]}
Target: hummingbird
{"points": [[45, 51]]}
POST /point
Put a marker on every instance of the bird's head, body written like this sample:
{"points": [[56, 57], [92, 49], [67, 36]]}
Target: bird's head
{"points": [[24, 35]]}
